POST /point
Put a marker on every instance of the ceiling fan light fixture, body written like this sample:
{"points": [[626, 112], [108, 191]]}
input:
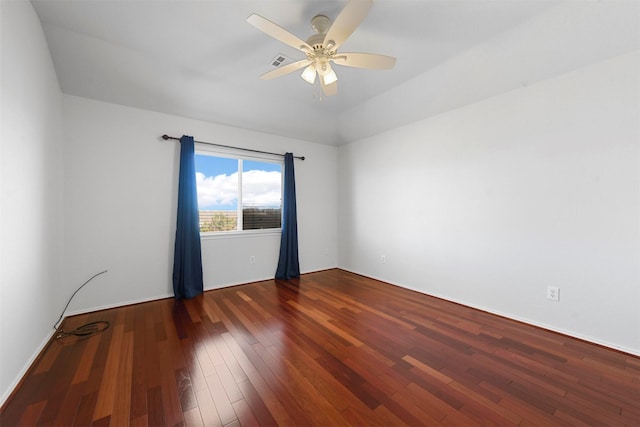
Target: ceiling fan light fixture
{"points": [[309, 74], [329, 78], [327, 74]]}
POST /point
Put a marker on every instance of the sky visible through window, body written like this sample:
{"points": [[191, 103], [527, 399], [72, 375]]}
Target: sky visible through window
{"points": [[217, 182]]}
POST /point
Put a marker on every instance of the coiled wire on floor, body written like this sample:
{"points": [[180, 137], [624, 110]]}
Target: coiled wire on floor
{"points": [[84, 330]]}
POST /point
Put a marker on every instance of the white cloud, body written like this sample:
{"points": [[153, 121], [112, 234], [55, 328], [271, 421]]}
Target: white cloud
{"points": [[217, 191], [260, 188]]}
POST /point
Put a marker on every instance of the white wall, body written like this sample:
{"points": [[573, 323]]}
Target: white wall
{"points": [[489, 204], [31, 193], [120, 205]]}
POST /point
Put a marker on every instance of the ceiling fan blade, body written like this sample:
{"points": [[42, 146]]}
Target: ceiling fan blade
{"points": [[330, 89], [278, 33], [365, 60], [347, 21], [286, 69]]}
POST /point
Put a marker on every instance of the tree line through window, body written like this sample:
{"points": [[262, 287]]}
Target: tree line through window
{"points": [[237, 194]]}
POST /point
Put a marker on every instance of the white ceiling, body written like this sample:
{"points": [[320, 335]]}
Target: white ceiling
{"points": [[201, 59]]}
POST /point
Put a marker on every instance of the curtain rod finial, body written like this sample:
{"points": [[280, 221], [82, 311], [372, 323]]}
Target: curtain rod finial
{"points": [[165, 137]]}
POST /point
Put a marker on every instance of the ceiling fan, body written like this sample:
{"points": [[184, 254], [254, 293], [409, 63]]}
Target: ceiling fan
{"points": [[321, 49]]}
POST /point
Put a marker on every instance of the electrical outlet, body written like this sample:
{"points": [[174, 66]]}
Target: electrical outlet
{"points": [[326, 251], [383, 259], [553, 293], [252, 259]]}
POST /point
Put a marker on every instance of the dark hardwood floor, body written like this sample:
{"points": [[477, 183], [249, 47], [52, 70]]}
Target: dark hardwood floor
{"points": [[333, 349]]}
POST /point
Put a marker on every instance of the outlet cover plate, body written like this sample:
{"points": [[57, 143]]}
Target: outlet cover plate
{"points": [[553, 293]]}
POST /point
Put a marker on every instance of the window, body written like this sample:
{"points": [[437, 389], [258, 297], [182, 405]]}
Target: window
{"points": [[237, 194]]}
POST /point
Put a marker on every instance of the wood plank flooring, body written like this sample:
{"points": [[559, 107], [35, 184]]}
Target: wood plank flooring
{"points": [[332, 349]]}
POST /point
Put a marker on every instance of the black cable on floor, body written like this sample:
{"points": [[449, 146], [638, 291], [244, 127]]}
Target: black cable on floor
{"points": [[84, 330]]}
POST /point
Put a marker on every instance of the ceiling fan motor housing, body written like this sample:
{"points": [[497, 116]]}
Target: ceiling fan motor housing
{"points": [[320, 24], [316, 41]]}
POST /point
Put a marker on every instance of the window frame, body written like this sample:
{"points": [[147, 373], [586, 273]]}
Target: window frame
{"points": [[208, 150]]}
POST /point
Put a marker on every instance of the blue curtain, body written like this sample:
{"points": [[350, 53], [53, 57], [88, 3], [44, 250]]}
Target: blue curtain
{"points": [[187, 258], [288, 265]]}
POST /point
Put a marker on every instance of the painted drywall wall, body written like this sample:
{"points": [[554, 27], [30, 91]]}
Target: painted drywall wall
{"points": [[489, 204], [31, 193], [120, 205]]}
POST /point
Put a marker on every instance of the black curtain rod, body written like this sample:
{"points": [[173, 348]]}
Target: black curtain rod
{"points": [[166, 137]]}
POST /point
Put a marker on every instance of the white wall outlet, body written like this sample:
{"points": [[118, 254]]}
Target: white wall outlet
{"points": [[252, 259], [383, 259], [326, 251], [553, 293]]}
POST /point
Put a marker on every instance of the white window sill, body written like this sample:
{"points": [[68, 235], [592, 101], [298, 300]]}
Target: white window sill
{"points": [[240, 234]]}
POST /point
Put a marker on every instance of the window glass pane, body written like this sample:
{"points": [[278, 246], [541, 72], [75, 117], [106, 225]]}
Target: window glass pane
{"points": [[220, 199], [217, 183], [261, 194]]}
